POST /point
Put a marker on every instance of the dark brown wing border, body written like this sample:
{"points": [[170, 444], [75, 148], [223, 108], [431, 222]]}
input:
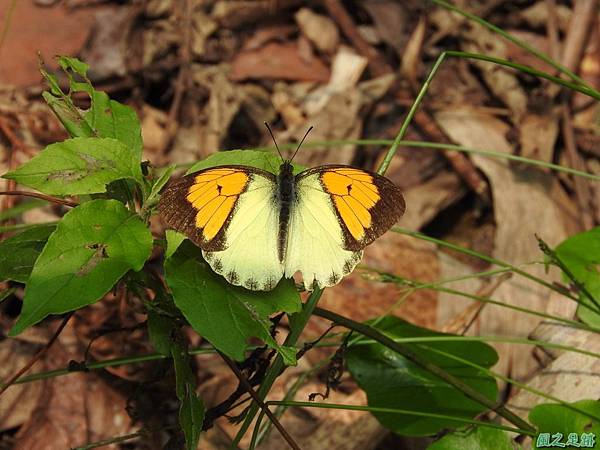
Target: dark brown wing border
{"points": [[180, 215]]}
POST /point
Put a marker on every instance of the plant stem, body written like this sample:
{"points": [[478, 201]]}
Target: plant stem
{"points": [[415, 358], [298, 322], [400, 411]]}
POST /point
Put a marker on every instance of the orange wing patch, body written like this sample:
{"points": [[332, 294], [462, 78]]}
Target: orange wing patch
{"points": [[354, 195], [213, 195]]}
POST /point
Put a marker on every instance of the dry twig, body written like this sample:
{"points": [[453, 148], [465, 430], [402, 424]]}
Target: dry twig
{"points": [[246, 385], [48, 198]]}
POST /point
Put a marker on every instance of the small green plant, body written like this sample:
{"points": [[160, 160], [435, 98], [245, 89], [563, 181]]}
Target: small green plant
{"points": [[418, 382]]}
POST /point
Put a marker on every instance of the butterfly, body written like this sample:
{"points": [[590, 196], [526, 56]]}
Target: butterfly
{"points": [[255, 228]]}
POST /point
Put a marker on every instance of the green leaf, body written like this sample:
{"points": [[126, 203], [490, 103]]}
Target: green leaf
{"points": [[69, 115], [78, 166], [18, 253], [391, 381], [581, 255], [253, 158], [556, 418], [106, 118], [111, 119], [174, 240], [93, 246], [191, 411], [224, 314], [153, 197], [68, 62], [475, 438]]}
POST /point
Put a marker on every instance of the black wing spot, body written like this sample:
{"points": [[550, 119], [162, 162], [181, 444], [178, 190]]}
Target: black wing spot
{"points": [[219, 188], [217, 265], [334, 278], [349, 187], [251, 284], [232, 277]]}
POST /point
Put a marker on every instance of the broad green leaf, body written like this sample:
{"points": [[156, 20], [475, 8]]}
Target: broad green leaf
{"points": [[226, 315], [476, 438], [93, 246], [110, 118], [78, 166], [556, 418], [581, 254], [253, 158], [391, 381], [191, 411], [18, 253]]}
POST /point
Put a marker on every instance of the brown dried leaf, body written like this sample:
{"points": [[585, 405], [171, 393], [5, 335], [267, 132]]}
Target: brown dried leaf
{"points": [[72, 411], [319, 29], [277, 61], [64, 32], [519, 55], [202, 27], [106, 51], [411, 57], [427, 199], [389, 18], [19, 401], [267, 34], [503, 82], [538, 136], [233, 13], [523, 207], [571, 376], [537, 15], [154, 134]]}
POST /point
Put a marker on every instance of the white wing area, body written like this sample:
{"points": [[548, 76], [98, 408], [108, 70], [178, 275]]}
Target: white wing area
{"points": [[250, 258], [315, 244]]}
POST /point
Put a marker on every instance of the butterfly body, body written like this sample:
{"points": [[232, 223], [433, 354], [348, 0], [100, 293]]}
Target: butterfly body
{"points": [[286, 189], [254, 227]]}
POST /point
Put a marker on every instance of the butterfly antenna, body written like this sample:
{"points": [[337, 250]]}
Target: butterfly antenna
{"points": [[274, 141], [300, 144]]}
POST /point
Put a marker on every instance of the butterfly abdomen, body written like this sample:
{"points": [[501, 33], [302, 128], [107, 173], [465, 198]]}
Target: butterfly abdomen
{"points": [[286, 192]]}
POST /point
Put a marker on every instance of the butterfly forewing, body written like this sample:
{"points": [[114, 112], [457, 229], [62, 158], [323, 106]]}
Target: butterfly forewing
{"points": [[366, 204], [231, 213]]}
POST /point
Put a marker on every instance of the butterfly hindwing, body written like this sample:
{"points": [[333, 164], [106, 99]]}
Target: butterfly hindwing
{"points": [[316, 242], [230, 212]]}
